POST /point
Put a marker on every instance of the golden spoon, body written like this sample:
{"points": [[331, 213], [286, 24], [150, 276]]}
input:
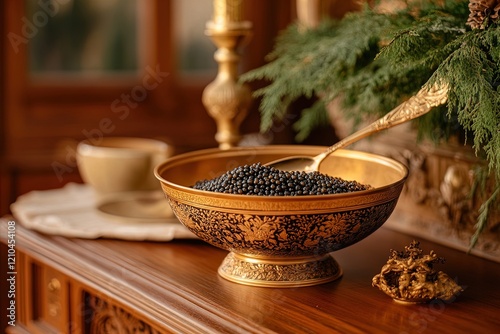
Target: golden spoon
{"points": [[414, 107]]}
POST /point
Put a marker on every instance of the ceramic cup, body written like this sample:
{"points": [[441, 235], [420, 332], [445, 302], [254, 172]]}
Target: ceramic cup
{"points": [[121, 164]]}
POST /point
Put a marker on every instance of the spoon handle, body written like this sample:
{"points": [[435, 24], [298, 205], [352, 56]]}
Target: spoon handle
{"points": [[414, 107]]}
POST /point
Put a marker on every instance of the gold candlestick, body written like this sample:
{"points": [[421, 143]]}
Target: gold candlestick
{"points": [[226, 100]]}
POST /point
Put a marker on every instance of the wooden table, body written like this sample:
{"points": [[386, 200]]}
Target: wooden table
{"points": [[80, 286]]}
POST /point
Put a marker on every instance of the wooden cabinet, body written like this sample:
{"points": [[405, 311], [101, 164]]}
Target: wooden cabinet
{"points": [[69, 285]]}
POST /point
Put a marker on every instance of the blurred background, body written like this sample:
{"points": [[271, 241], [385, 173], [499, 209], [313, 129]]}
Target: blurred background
{"points": [[84, 69]]}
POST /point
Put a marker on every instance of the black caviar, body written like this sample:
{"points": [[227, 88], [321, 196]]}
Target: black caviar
{"points": [[262, 180]]}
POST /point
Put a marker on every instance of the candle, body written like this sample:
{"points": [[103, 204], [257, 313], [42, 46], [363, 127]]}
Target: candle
{"points": [[308, 12], [227, 11]]}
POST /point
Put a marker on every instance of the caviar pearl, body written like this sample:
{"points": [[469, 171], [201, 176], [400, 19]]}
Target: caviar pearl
{"points": [[257, 179]]}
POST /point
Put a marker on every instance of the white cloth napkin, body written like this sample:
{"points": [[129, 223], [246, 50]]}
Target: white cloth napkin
{"points": [[71, 211]]}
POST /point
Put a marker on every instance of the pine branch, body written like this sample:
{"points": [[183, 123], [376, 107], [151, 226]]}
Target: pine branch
{"points": [[316, 62], [471, 73], [484, 214], [315, 116]]}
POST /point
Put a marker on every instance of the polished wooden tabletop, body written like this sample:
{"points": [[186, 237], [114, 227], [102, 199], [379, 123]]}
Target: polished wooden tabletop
{"points": [[177, 283]]}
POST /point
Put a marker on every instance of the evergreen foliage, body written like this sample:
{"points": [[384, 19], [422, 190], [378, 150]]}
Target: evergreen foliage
{"points": [[374, 61]]}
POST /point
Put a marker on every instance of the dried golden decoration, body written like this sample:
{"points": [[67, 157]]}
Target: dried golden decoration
{"points": [[410, 277]]}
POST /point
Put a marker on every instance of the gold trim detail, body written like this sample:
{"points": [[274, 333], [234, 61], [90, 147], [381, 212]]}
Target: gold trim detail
{"points": [[286, 272]]}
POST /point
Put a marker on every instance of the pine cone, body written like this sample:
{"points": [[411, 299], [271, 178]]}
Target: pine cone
{"points": [[495, 14], [480, 10]]}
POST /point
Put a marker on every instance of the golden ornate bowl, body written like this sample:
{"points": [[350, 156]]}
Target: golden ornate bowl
{"points": [[281, 241]]}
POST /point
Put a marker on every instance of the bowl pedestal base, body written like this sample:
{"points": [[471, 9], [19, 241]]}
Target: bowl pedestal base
{"points": [[280, 272]]}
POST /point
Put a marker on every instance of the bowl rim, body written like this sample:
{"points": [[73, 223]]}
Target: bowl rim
{"points": [[197, 155], [148, 146]]}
